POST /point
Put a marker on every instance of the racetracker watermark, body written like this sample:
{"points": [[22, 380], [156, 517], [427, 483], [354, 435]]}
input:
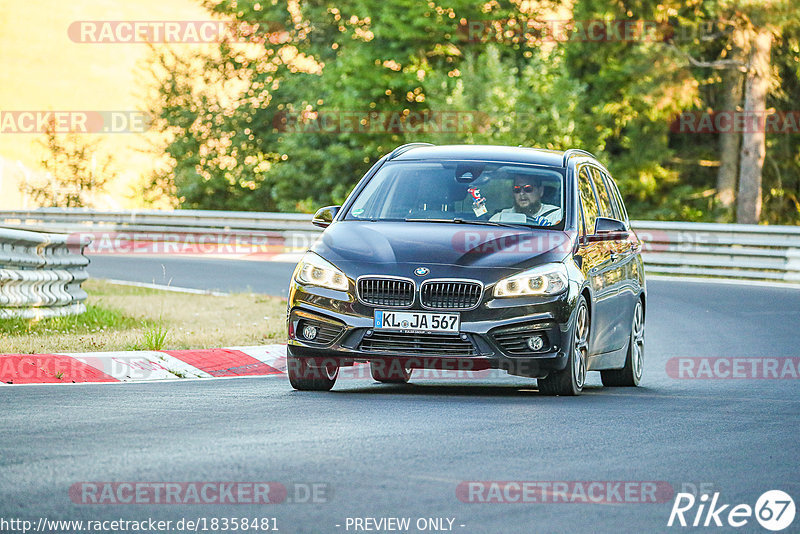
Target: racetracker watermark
{"points": [[76, 122], [564, 491], [176, 31], [373, 121], [510, 241], [142, 524], [675, 240], [422, 368], [562, 30], [736, 122], [199, 493], [191, 243], [726, 368]]}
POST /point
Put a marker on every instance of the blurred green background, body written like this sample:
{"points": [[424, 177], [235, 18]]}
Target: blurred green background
{"points": [[288, 114]]}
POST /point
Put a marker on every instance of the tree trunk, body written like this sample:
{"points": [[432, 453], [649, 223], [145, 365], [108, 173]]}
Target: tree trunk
{"points": [[748, 209], [729, 142]]}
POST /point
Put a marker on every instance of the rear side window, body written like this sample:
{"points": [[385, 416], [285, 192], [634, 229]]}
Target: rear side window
{"points": [[616, 199], [603, 198], [588, 200]]}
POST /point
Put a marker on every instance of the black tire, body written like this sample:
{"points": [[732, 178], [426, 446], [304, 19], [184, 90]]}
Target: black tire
{"points": [[571, 379], [312, 374], [394, 372], [631, 374]]}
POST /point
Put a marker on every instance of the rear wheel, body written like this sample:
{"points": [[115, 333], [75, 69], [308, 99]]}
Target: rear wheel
{"points": [[631, 374], [312, 374], [570, 380], [394, 372]]}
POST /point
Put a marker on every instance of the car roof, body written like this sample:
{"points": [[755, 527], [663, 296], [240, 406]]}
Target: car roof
{"points": [[537, 156]]}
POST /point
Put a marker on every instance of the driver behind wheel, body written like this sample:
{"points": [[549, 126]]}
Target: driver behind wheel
{"points": [[527, 194]]}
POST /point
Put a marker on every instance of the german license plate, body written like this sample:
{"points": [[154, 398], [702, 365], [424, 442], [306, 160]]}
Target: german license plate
{"points": [[407, 321]]}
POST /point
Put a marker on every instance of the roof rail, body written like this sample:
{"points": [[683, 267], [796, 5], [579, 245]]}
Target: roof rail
{"points": [[575, 152], [405, 148]]}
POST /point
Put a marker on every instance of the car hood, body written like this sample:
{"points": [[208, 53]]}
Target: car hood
{"points": [[358, 245]]}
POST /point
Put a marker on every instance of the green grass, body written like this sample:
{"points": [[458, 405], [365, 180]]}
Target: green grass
{"points": [[96, 319], [120, 318], [154, 336]]}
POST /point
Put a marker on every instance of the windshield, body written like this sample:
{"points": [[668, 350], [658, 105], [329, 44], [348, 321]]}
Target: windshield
{"points": [[462, 191]]}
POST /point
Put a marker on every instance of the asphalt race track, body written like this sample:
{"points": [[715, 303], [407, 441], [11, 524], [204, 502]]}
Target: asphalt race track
{"points": [[271, 278], [379, 451]]}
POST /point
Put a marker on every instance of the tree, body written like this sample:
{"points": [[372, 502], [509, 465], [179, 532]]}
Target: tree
{"points": [[729, 145], [751, 162], [720, 25], [723, 34], [753, 27], [225, 110], [74, 177], [246, 121], [633, 89]]}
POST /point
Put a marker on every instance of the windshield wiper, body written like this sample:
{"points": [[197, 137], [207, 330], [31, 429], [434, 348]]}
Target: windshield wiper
{"points": [[436, 220], [458, 220]]}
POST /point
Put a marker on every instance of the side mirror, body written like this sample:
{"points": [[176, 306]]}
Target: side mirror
{"points": [[605, 226], [324, 216]]}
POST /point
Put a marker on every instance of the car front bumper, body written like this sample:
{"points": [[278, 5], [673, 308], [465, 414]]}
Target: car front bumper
{"points": [[491, 336]]}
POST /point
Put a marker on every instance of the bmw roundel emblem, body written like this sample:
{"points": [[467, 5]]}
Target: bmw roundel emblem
{"points": [[421, 271]]}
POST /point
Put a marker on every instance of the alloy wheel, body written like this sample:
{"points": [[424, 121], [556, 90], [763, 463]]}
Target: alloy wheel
{"points": [[580, 345], [637, 340]]}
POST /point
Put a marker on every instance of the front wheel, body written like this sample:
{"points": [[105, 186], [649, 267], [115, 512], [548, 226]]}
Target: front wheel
{"points": [[312, 374], [631, 374], [570, 380]]}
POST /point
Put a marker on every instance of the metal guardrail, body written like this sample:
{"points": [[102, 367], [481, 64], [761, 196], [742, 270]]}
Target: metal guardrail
{"points": [[79, 219], [293, 231], [675, 248], [721, 250], [41, 274]]}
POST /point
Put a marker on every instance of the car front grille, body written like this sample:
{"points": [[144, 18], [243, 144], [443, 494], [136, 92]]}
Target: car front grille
{"points": [[450, 295], [386, 291], [417, 344]]}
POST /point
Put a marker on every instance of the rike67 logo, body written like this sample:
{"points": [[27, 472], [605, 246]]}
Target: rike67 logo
{"points": [[774, 510]]}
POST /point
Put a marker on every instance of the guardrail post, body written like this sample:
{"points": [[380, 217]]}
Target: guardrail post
{"points": [[792, 265]]}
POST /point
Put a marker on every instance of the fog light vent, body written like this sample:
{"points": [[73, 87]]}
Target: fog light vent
{"points": [[524, 339], [309, 332], [309, 329], [535, 343]]}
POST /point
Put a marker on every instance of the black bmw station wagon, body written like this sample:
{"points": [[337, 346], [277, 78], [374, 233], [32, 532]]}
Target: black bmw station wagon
{"points": [[471, 258]]}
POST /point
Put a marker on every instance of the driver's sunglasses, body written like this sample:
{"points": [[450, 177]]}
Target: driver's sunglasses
{"points": [[520, 188]]}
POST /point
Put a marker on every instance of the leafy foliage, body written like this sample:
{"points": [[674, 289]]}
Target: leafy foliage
{"points": [[247, 121], [73, 173]]}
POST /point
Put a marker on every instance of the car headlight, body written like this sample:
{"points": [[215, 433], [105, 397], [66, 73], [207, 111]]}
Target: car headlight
{"points": [[549, 279], [313, 270]]}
